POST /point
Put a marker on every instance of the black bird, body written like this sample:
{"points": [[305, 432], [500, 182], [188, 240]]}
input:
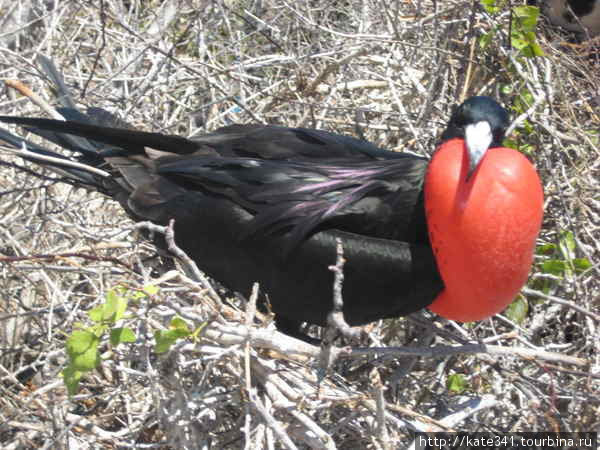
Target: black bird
{"points": [[266, 203]]}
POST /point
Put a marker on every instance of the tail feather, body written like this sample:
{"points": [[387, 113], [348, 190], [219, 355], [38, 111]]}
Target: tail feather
{"points": [[131, 140], [57, 162], [109, 156], [69, 111], [89, 133], [67, 141], [89, 148], [85, 147]]}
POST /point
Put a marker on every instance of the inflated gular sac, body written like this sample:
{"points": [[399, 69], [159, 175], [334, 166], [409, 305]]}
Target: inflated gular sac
{"points": [[482, 228]]}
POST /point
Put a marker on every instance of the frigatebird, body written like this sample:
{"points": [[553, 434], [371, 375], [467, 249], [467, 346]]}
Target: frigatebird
{"points": [[266, 203]]}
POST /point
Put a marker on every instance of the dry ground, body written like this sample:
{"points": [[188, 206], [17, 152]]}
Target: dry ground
{"points": [[394, 67]]}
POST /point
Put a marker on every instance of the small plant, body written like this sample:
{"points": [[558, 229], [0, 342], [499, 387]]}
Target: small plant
{"points": [[523, 25], [517, 310], [83, 344], [522, 35], [457, 383], [561, 261]]}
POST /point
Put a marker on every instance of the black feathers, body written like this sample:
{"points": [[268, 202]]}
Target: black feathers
{"points": [[262, 203], [477, 109], [267, 203]]}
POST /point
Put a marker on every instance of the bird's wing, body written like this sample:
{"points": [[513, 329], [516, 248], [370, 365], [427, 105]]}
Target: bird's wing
{"points": [[375, 198], [382, 278], [283, 143], [351, 185]]}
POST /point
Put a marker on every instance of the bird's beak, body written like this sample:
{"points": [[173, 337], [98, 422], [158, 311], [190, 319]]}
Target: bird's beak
{"points": [[478, 137]]}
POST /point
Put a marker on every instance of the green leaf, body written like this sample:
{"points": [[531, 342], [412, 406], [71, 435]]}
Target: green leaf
{"points": [[517, 310], [536, 49], [82, 348], [522, 147], [507, 88], [510, 143], [98, 329], [121, 335], [523, 37], [178, 333], [526, 18], [71, 377], [566, 244], [554, 267], [526, 96], [581, 264], [146, 291], [165, 338], [518, 42], [115, 306], [177, 323], [97, 314], [150, 289], [456, 383], [490, 6], [546, 249], [525, 43], [112, 310]]}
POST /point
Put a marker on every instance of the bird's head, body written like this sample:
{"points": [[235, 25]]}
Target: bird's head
{"points": [[481, 122], [484, 207]]}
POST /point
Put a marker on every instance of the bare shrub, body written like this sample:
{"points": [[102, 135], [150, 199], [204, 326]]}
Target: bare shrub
{"points": [[392, 69]]}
